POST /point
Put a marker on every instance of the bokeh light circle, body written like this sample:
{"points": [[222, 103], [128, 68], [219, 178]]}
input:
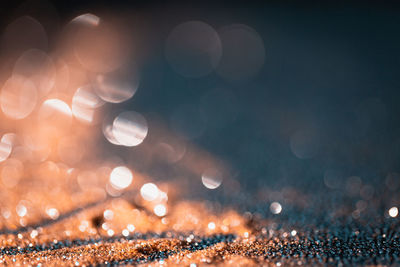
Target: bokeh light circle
{"points": [[18, 97], [129, 128], [193, 49], [121, 177], [85, 102], [212, 178], [99, 48], [243, 52], [115, 88], [56, 113], [39, 68], [304, 143], [149, 192], [22, 34]]}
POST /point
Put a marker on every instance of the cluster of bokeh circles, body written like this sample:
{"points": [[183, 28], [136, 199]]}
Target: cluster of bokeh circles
{"points": [[58, 92], [53, 102], [195, 49]]}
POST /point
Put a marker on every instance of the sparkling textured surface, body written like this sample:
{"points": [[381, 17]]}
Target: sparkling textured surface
{"points": [[120, 231]]}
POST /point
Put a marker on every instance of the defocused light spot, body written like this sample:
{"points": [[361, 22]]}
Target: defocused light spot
{"points": [[10, 138], [275, 208], [353, 185], [393, 212], [125, 232], [105, 226], [37, 66], [211, 225], [47, 169], [131, 227], [304, 144], [22, 153], [108, 214], [88, 18], [392, 181], [55, 113], [332, 178], [52, 213], [6, 213], [86, 97], [112, 191], [87, 180], [18, 97], [163, 196], [129, 128], [16, 40], [171, 153], [121, 177], [243, 52], [63, 76], [211, 179], [21, 210], [38, 142], [11, 172], [110, 232], [193, 49], [115, 89], [160, 210], [34, 234], [84, 104], [102, 48], [149, 191], [108, 134], [5, 150]]}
